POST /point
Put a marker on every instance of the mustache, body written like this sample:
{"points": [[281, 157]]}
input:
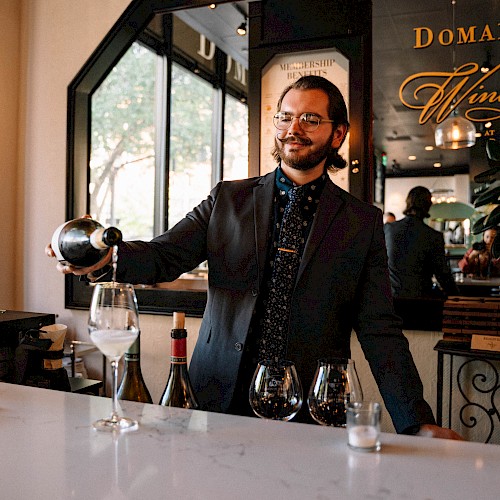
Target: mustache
{"points": [[293, 138]]}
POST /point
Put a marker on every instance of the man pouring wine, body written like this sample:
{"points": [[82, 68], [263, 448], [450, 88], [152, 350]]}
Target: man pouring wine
{"points": [[295, 264]]}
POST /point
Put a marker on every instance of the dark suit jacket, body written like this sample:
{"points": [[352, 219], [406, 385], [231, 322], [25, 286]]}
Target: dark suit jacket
{"points": [[416, 253], [342, 284]]}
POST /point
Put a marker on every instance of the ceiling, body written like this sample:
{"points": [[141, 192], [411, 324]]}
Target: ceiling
{"points": [[397, 131], [219, 25]]}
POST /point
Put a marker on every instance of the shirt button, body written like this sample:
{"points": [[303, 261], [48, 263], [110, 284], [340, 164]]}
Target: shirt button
{"points": [[238, 346]]}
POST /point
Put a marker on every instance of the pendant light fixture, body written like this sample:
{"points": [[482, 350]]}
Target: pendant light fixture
{"points": [[456, 131]]}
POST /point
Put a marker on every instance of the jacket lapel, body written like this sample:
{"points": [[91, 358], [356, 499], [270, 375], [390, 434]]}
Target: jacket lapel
{"points": [[263, 194], [329, 205]]}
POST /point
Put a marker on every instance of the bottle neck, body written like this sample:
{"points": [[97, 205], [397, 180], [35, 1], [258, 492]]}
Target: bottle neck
{"points": [[178, 351]]}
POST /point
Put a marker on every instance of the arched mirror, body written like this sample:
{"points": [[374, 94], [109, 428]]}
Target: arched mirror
{"points": [[157, 116]]}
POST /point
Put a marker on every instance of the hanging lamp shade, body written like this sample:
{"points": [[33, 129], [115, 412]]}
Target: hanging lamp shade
{"points": [[455, 132], [451, 211]]}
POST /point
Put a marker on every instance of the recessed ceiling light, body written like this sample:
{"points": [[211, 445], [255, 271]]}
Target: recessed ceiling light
{"points": [[437, 164], [429, 148], [412, 157], [487, 124], [478, 134]]}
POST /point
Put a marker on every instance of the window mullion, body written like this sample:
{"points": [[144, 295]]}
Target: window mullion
{"points": [[217, 136], [161, 146]]}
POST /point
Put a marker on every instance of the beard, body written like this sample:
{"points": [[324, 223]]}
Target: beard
{"points": [[301, 162]]}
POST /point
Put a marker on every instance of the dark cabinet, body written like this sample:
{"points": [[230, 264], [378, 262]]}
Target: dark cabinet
{"points": [[13, 324]]}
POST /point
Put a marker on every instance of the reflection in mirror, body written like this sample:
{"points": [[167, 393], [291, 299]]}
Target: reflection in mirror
{"points": [[168, 120], [417, 84]]}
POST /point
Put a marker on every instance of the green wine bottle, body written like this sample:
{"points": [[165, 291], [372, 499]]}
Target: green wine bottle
{"points": [[132, 386], [179, 391]]}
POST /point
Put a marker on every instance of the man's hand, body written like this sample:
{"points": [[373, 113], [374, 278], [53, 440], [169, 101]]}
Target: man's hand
{"points": [[79, 271], [429, 430]]}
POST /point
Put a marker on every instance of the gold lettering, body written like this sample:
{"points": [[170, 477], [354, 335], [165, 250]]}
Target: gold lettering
{"points": [[487, 36], [491, 97], [445, 96], [424, 36], [419, 44], [489, 133], [468, 36], [475, 97], [441, 36]]}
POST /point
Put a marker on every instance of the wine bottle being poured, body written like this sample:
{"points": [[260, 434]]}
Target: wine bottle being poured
{"points": [[83, 242]]}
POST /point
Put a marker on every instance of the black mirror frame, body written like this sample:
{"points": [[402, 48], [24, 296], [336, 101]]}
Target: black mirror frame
{"points": [[121, 36]]}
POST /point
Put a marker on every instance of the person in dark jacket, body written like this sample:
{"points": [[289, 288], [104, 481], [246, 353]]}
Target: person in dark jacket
{"points": [[416, 251], [341, 284]]}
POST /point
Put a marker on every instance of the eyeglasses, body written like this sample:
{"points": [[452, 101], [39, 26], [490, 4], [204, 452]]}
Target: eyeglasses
{"points": [[308, 122]]}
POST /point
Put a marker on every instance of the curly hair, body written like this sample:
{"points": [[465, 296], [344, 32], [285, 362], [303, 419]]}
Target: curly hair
{"points": [[337, 111]]}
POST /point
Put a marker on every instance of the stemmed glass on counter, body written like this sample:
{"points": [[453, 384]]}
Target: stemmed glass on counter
{"points": [[114, 326], [335, 384], [275, 392]]}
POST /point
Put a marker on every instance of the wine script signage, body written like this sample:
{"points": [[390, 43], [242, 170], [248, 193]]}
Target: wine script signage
{"points": [[438, 93], [445, 88]]}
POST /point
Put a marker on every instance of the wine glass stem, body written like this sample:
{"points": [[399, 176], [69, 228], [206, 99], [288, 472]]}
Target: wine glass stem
{"points": [[114, 379]]}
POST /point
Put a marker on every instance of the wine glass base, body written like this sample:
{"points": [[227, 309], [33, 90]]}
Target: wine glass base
{"points": [[120, 424]]}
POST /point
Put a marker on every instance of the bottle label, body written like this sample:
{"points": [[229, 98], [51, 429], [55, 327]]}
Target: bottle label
{"points": [[55, 242], [96, 239], [178, 351], [131, 357]]}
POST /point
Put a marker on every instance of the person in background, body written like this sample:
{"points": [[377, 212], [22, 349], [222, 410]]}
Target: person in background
{"points": [[416, 251], [389, 217], [342, 282], [478, 260]]}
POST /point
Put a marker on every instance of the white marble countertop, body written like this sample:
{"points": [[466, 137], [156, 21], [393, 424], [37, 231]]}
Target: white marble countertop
{"points": [[48, 450]]}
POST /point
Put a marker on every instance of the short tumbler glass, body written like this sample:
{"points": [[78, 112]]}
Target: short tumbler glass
{"points": [[363, 425]]}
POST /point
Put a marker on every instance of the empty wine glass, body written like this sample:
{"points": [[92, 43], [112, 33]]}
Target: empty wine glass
{"points": [[114, 326], [335, 384], [275, 392]]}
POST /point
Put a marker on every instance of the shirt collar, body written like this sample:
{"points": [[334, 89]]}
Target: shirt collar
{"points": [[283, 183]]}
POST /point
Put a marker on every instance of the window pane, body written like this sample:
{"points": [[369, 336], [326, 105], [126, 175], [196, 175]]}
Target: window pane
{"points": [[235, 139], [122, 164], [190, 169]]}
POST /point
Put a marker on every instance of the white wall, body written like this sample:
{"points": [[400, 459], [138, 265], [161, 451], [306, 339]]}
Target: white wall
{"points": [[57, 38]]}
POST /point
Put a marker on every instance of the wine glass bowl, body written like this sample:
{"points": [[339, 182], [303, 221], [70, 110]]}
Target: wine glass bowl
{"points": [[113, 327], [275, 392], [335, 384]]}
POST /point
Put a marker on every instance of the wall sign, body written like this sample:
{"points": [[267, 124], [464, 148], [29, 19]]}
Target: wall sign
{"points": [[438, 93]]}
